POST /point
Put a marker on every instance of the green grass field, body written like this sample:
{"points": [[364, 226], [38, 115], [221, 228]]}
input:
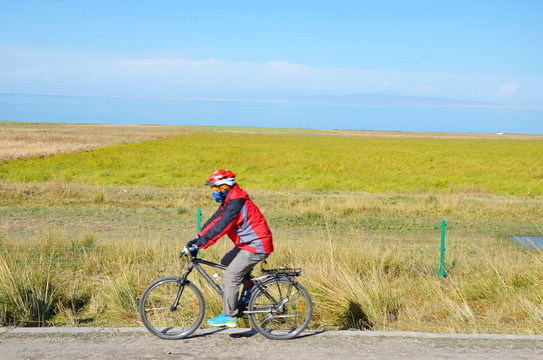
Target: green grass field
{"points": [[304, 174], [302, 163]]}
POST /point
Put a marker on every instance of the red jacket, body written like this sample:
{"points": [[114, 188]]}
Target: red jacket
{"points": [[240, 219]]}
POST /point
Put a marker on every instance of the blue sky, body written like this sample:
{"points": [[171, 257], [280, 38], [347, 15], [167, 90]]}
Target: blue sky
{"points": [[471, 50]]}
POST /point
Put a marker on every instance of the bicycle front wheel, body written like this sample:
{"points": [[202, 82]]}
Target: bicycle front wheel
{"points": [[163, 317], [281, 309]]}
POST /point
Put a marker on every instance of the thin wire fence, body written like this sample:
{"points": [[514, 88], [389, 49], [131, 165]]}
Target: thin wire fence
{"points": [[469, 243], [415, 240], [61, 237]]}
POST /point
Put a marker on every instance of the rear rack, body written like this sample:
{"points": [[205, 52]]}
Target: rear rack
{"points": [[283, 272]]}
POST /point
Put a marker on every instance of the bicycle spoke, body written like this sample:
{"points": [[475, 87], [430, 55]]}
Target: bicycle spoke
{"points": [[160, 315], [154, 309], [286, 315]]}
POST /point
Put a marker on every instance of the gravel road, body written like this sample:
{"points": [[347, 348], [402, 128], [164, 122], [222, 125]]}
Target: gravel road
{"points": [[134, 343]]}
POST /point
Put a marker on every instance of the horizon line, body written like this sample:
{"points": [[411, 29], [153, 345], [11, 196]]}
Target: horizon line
{"points": [[288, 101]]}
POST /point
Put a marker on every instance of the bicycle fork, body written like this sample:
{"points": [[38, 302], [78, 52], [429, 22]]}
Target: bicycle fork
{"points": [[181, 284]]}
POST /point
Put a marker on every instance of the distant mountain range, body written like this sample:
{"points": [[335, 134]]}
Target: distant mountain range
{"points": [[354, 99], [383, 100]]}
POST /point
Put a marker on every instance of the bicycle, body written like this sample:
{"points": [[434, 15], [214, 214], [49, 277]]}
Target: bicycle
{"points": [[279, 307]]}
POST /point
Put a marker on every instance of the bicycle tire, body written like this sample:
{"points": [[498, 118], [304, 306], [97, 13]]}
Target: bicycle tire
{"points": [[285, 318], [159, 318]]}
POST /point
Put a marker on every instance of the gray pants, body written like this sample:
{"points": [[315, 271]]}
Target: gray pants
{"points": [[239, 263]]}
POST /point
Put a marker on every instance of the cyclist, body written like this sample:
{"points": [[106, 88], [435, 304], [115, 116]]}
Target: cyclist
{"points": [[240, 219]]}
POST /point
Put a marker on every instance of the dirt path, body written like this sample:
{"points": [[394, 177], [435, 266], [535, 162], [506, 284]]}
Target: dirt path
{"points": [[245, 344]]}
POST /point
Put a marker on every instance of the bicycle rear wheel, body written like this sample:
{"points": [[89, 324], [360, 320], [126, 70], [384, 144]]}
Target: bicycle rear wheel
{"points": [[159, 315], [282, 309]]}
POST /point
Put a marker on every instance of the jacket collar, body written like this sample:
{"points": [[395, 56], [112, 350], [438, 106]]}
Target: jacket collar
{"points": [[235, 193]]}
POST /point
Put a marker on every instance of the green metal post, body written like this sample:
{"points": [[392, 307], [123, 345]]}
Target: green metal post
{"points": [[199, 220], [198, 225], [442, 250]]}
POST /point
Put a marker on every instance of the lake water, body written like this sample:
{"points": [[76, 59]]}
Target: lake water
{"points": [[529, 242], [110, 110]]}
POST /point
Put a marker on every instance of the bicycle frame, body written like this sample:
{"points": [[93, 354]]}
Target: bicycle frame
{"points": [[196, 263]]}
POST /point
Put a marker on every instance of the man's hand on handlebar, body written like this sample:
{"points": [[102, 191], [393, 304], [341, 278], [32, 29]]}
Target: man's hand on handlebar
{"points": [[191, 242], [189, 250]]}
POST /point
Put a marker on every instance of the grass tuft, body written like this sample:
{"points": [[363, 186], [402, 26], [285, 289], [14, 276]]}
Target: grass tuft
{"points": [[28, 296]]}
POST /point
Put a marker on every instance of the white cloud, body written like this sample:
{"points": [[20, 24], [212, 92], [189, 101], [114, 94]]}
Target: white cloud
{"points": [[203, 68], [386, 84], [423, 90], [24, 69], [509, 89], [18, 73], [285, 69]]}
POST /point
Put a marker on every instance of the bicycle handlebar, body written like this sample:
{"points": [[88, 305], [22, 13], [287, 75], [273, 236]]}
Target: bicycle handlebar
{"points": [[191, 250]]}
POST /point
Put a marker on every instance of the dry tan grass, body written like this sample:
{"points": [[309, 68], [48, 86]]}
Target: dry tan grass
{"points": [[20, 140], [436, 135], [360, 286]]}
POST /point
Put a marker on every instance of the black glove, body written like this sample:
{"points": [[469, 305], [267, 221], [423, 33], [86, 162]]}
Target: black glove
{"points": [[191, 242]]}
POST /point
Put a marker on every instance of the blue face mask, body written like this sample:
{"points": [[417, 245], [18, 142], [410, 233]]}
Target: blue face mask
{"points": [[220, 196]]}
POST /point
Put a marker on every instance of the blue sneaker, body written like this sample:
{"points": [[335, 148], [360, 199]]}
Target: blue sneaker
{"points": [[223, 320]]}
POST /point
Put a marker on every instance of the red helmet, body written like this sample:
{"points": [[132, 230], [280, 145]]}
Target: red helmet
{"points": [[220, 177]]}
